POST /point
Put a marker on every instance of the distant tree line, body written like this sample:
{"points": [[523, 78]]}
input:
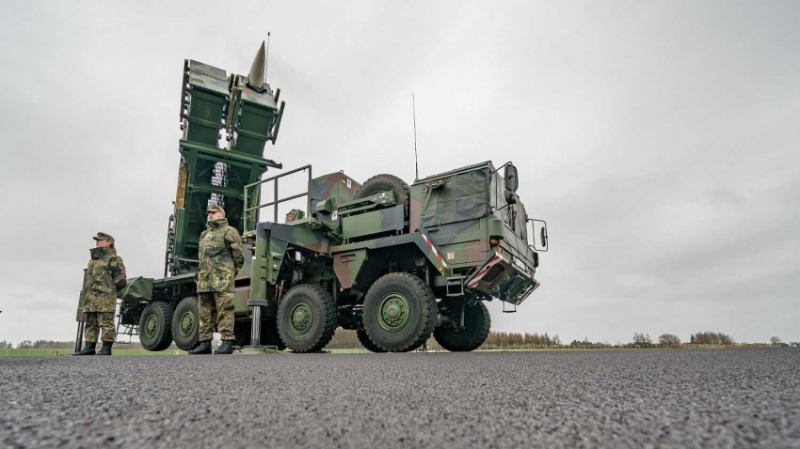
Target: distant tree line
{"points": [[345, 339], [669, 340], [711, 338], [511, 338], [39, 344]]}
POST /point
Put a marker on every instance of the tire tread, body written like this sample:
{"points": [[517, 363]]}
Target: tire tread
{"points": [[331, 318], [167, 310], [471, 338], [429, 310]]}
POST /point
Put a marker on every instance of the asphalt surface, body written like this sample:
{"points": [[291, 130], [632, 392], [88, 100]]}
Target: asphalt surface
{"points": [[648, 398]]}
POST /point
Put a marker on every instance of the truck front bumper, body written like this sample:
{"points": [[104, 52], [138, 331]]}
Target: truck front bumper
{"points": [[500, 278]]}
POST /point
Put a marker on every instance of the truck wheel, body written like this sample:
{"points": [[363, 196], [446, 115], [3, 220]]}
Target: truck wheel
{"points": [[186, 324], [363, 338], [431, 326], [397, 312], [383, 183], [155, 326], [307, 318], [477, 323]]}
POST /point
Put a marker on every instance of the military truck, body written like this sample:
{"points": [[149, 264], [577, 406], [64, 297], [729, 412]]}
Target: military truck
{"points": [[397, 263]]}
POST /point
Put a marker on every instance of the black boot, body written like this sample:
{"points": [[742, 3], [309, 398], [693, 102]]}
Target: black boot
{"points": [[203, 348], [106, 348], [225, 348], [88, 350]]}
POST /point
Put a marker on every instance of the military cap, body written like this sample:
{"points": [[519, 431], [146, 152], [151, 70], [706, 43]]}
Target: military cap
{"points": [[103, 236], [214, 208]]}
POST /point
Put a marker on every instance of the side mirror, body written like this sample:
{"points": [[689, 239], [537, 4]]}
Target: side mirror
{"points": [[512, 181], [537, 235]]}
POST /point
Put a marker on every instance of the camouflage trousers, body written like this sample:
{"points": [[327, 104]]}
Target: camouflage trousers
{"points": [[96, 321], [216, 311]]}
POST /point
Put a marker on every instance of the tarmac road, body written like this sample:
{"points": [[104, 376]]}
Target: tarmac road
{"points": [[661, 398]]}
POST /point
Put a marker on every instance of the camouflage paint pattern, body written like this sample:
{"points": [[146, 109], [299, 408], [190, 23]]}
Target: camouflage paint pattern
{"points": [[79, 315], [272, 242], [95, 321], [348, 268], [220, 257], [138, 289], [337, 186], [105, 276], [215, 311], [391, 220], [453, 249]]}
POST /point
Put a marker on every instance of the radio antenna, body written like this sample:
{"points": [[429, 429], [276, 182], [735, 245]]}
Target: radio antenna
{"points": [[267, 63], [414, 112]]}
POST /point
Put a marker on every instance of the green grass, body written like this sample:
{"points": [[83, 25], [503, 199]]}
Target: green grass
{"points": [[64, 351]]}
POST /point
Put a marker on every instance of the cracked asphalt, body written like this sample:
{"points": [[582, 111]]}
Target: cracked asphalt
{"points": [[635, 398]]}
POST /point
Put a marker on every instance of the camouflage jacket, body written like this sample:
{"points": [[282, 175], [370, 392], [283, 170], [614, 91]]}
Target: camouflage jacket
{"points": [[105, 277], [220, 257]]}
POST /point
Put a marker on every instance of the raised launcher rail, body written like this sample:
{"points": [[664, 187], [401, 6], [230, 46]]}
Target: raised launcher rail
{"points": [[248, 111]]}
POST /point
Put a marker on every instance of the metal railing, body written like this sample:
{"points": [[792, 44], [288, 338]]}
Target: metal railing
{"points": [[249, 212]]}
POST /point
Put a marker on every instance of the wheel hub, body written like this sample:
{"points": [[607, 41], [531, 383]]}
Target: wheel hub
{"points": [[301, 318], [393, 312], [151, 326], [187, 324]]}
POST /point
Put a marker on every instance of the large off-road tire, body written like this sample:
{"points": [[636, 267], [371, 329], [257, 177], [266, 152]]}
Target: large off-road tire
{"points": [[431, 326], [477, 324], [383, 183], [155, 326], [417, 344], [186, 324], [269, 333], [363, 338], [307, 318], [397, 312]]}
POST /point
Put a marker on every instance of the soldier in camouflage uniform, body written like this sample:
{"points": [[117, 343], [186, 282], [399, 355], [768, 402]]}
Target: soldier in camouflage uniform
{"points": [[220, 260], [105, 278]]}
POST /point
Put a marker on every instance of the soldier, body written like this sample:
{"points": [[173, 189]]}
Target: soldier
{"points": [[220, 260], [105, 278]]}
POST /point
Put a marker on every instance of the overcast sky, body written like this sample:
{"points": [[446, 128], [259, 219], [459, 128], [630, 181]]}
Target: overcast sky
{"points": [[658, 139]]}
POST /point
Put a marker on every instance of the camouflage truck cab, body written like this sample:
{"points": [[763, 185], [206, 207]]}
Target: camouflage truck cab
{"points": [[483, 238]]}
